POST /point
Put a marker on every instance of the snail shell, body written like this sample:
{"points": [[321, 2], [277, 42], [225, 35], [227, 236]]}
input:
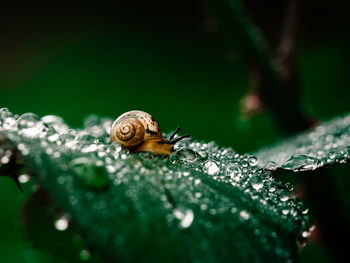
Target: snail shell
{"points": [[132, 128], [137, 131]]}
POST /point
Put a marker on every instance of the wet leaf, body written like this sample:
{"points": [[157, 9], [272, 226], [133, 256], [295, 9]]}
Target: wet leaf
{"points": [[327, 144], [203, 204]]}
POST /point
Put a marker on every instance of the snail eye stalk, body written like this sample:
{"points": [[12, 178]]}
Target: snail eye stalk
{"points": [[174, 133], [179, 138]]}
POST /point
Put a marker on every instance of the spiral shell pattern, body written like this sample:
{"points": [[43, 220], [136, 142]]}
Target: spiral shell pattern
{"points": [[132, 128]]}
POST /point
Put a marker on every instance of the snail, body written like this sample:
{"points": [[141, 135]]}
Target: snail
{"points": [[137, 131]]}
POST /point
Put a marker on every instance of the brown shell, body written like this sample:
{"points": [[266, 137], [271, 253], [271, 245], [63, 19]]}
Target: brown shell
{"points": [[132, 128]]}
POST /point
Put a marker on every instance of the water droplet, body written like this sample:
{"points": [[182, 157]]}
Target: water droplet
{"points": [[244, 215], [10, 124], [5, 113], [187, 155], [244, 164], [285, 211], [5, 159], [306, 234], [252, 160], [256, 183], [271, 166], [185, 216], [174, 158], [332, 155], [289, 187], [233, 171], [90, 173], [23, 178], [211, 168], [27, 120], [284, 196], [202, 155], [84, 255], [301, 163], [55, 122], [62, 223]]}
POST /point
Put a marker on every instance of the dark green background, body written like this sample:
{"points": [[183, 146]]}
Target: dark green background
{"points": [[169, 59]]}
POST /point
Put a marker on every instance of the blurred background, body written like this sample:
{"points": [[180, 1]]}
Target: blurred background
{"points": [[171, 59]]}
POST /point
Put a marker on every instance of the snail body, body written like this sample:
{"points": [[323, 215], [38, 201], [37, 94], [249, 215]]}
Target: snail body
{"points": [[137, 131]]}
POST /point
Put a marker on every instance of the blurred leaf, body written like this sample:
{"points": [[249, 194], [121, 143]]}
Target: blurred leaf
{"points": [[327, 144], [204, 203]]}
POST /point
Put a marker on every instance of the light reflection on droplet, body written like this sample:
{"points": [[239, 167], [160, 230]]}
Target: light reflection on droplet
{"points": [[23, 178], [84, 255], [185, 216], [211, 168], [62, 223], [244, 214]]}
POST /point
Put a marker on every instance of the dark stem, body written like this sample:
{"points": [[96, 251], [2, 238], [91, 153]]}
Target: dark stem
{"points": [[279, 95], [286, 63]]}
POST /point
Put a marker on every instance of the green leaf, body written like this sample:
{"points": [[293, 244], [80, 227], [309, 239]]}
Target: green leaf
{"points": [[204, 203], [327, 144]]}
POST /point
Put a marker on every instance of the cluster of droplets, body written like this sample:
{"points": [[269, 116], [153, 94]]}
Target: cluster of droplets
{"points": [[100, 164], [327, 144], [224, 165]]}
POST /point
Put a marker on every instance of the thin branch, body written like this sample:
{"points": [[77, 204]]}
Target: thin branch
{"points": [[279, 97], [286, 51]]}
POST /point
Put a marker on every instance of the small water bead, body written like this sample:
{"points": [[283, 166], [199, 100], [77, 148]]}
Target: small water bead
{"points": [[244, 215], [332, 155], [5, 113], [271, 166], [84, 255], [306, 234], [211, 168], [84, 137], [244, 164], [284, 196], [302, 208], [233, 171], [23, 149], [66, 137], [285, 211], [289, 187], [252, 160], [4, 159], [23, 178], [52, 135], [10, 124], [185, 216], [174, 158], [62, 223], [202, 155], [89, 148], [256, 182]]}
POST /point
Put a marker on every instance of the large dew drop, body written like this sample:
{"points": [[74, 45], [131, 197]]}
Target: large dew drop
{"points": [[301, 163], [30, 125], [211, 168], [91, 174], [187, 155]]}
